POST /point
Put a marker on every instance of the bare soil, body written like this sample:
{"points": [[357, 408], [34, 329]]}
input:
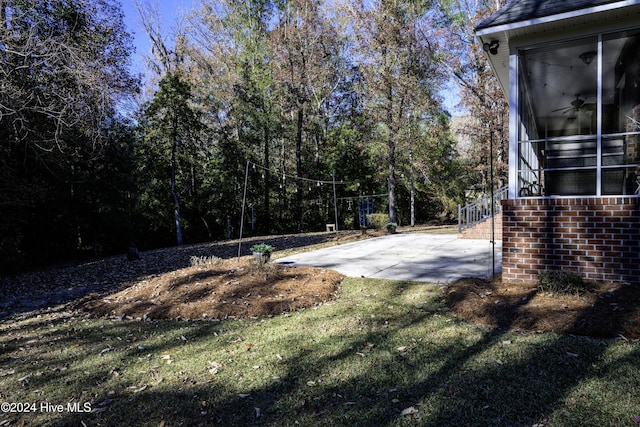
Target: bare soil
{"points": [[166, 284], [174, 283], [229, 289]]}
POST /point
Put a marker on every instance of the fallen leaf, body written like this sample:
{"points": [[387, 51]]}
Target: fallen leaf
{"points": [[138, 390], [311, 383], [409, 411], [24, 379]]}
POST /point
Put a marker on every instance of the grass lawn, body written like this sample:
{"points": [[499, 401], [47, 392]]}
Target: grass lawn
{"points": [[384, 353]]}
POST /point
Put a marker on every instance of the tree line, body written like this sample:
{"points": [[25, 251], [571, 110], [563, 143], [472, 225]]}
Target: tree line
{"points": [[270, 102]]}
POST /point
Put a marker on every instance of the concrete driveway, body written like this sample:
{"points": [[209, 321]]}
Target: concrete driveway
{"points": [[434, 258]]}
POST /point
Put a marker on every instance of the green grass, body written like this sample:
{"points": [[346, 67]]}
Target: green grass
{"points": [[383, 349]]}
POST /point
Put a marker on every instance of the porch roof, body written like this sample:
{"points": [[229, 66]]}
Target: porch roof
{"points": [[528, 12]]}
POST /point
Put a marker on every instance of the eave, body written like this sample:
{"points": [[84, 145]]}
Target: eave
{"points": [[590, 20]]}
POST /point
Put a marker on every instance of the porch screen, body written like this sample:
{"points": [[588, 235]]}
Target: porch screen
{"points": [[579, 130]]}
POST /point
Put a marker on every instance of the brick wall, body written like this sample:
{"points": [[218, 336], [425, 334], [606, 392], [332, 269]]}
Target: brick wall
{"points": [[482, 230], [597, 237]]}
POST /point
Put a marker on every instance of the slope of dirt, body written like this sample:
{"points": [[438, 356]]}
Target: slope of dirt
{"points": [[606, 310], [227, 289], [65, 284]]}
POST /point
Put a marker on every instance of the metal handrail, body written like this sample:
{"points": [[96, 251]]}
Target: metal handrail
{"points": [[481, 209]]}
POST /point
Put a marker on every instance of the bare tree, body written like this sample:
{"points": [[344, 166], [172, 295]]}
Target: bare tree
{"points": [[306, 46], [62, 71], [397, 62], [480, 93]]}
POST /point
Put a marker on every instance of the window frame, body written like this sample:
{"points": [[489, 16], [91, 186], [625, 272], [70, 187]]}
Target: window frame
{"points": [[538, 165]]}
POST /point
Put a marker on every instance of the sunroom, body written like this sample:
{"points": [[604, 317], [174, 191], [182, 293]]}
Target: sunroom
{"points": [[571, 71], [579, 115]]}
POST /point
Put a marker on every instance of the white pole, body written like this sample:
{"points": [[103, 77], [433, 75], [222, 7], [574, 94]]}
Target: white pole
{"points": [[244, 198], [493, 220], [335, 202]]}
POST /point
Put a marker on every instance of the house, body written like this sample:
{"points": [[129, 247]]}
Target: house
{"points": [[571, 72]]}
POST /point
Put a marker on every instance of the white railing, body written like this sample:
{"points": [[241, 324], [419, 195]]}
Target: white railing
{"points": [[481, 209]]}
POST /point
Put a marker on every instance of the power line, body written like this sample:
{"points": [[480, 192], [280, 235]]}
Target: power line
{"points": [[299, 178]]}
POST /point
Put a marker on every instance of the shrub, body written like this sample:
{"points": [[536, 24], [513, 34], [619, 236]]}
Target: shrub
{"points": [[378, 220], [262, 248], [564, 282]]}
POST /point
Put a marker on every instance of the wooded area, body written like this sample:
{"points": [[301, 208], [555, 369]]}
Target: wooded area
{"points": [[292, 95]]}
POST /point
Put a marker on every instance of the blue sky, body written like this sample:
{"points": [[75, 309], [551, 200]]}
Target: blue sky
{"points": [[170, 10]]}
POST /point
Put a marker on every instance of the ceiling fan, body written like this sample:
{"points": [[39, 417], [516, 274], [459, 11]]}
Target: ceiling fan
{"points": [[576, 105]]}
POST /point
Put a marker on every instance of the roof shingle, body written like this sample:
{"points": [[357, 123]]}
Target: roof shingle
{"points": [[519, 10]]}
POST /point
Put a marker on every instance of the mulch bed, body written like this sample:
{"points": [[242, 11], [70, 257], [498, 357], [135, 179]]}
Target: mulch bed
{"points": [[229, 289], [606, 310]]}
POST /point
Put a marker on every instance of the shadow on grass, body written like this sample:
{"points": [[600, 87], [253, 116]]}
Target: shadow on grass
{"points": [[388, 357]]}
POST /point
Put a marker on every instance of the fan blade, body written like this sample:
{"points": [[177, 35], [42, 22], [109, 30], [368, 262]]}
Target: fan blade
{"points": [[563, 109]]}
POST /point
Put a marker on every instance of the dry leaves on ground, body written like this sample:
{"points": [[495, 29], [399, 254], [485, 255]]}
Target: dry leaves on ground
{"points": [[66, 284]]}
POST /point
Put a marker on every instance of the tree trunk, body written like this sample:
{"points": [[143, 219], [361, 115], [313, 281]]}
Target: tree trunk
{"points": [[412, 186], [391, 152], [3, 16], [174, 194], [299, 170], [391, 180], [267, 184]]}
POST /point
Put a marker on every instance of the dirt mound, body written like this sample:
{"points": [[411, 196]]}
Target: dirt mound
{"points": [[227, 289], [607, 310]]}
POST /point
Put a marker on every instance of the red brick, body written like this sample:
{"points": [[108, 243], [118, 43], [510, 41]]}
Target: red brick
{"points": [[600, 236]]}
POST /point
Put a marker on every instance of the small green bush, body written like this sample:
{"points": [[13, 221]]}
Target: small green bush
{"points": [[262, 248], [378, 220], [349, 223], [565, 282]]}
